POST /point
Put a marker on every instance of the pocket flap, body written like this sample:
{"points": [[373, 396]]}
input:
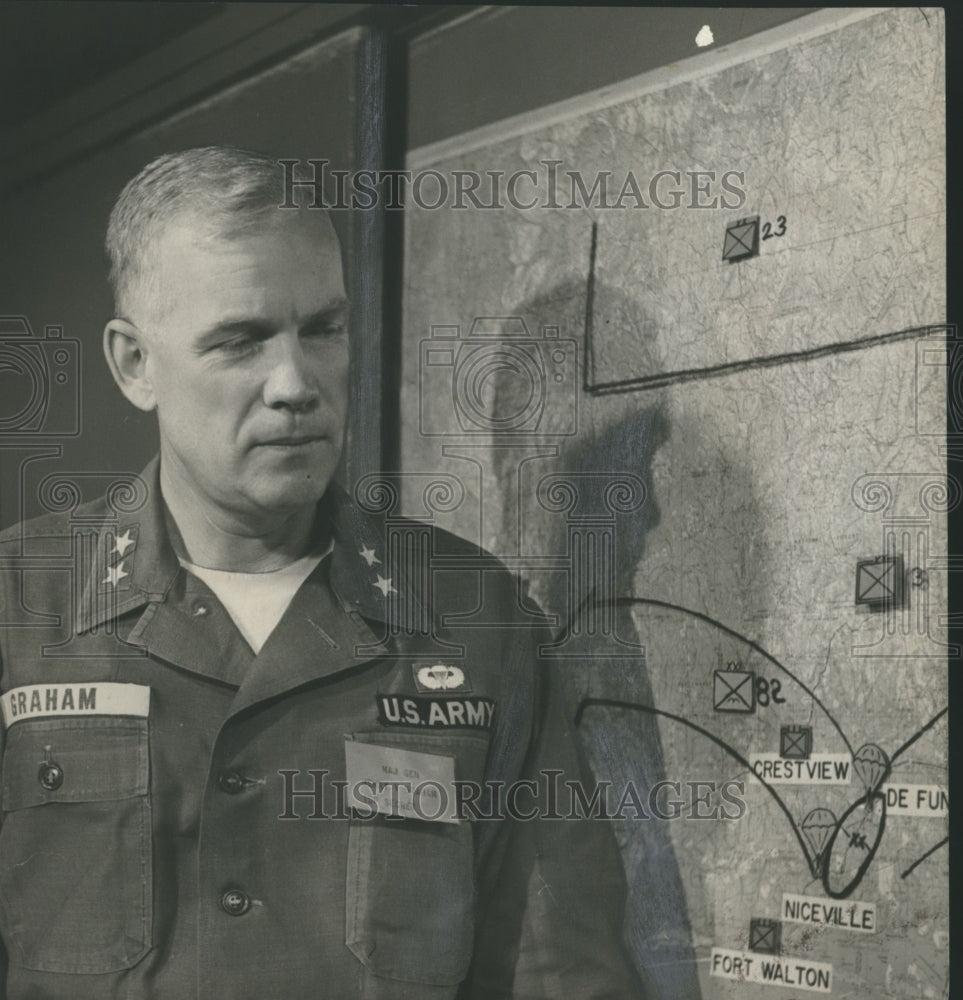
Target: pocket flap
{"points": [[74, 760]]}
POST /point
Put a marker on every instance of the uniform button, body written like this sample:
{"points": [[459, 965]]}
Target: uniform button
{"points": [[230, 782], [235, 902], [200, 608], [50, 776]]}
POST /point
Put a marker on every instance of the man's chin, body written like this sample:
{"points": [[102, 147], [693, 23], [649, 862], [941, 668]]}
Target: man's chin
{"points": [[289, 491]]}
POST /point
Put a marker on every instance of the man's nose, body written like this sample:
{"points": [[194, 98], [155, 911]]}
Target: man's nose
{"points": [[290, 380]]}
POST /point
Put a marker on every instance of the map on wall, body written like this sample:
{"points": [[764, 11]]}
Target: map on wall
{"points": [[761, 367], [738, 258]]}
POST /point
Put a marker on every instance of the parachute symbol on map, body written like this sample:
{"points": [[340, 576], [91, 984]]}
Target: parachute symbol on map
{"points": [[871, 766], [818, 826]]}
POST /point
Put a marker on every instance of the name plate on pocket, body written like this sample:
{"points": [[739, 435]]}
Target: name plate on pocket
{"points": [[39, 701], [395, 781]]}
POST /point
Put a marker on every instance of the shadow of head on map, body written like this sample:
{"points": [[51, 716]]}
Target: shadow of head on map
{"points": [[711, 555], [578, 458]]}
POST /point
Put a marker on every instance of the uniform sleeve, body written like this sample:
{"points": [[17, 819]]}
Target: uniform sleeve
{"points": [[552, 893]]}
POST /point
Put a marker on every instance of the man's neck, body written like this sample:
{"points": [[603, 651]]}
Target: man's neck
{"points": [[206, 535]]}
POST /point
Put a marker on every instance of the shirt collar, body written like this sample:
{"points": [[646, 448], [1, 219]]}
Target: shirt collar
{"points": [[371, 569], [134, 563]]}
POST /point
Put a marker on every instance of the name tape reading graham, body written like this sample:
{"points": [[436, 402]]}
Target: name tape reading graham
{"points": [[38, 701]]}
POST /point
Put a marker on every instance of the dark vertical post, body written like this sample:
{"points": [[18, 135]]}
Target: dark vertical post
{"points": [[395, 150], [363, 448], [377, 239]]}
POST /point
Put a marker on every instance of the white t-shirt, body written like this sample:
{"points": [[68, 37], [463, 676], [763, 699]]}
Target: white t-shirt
{"points": [[256, 601]]}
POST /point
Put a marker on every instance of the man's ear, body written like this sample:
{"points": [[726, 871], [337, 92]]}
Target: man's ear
{"points": [[126, 348]]}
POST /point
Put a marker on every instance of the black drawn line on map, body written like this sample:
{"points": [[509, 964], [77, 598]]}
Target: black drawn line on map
{"points": [[818, 862], [641, 382], [865, 801], [660, 379], [631, 601], [929, 725], [814, 861], [616, 703], [588, 347], [923, 857]]}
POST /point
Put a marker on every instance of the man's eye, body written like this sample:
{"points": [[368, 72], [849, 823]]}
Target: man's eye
{"points": [[238, 346], [327, 328]]}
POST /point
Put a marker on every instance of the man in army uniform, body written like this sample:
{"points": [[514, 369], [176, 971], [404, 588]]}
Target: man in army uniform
{"points": [[239, 648]]}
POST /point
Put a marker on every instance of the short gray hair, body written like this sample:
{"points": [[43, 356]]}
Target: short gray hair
{"points": [[222, 190]]}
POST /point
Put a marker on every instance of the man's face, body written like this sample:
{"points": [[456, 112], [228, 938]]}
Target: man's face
{"points": [[248, 362]]}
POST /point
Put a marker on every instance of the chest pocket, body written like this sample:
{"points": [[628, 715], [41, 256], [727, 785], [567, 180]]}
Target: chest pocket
{"points": [[75, 844], [410, 891]]}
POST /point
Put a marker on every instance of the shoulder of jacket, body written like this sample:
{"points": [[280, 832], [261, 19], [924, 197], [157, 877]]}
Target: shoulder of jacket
{"points": [[447, 545], [56, 524]]}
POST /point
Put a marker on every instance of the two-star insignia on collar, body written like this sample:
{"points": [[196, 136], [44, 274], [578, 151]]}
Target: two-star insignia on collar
{"points": [[383, 583], [122, 543], [117, 572]]}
